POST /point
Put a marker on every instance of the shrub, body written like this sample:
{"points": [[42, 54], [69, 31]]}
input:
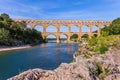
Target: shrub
{"points": [[103, 48], [100, 70], [93, 41], [106, 70], [74, 60]]}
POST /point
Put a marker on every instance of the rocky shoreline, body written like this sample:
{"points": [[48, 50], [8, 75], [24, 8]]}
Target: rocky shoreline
{"points": [[98, 67]]}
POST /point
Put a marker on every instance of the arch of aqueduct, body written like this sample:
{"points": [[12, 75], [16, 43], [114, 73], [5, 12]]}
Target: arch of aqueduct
{"points": [[69, 24]]}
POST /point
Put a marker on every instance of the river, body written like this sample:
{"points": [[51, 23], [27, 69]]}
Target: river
{"points": [[46, 56]]}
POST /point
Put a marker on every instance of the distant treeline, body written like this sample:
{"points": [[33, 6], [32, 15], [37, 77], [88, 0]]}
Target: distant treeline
{"points": [[15, 33]]}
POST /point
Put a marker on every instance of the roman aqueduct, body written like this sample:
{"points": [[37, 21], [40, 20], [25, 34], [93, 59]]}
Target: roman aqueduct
{"points": [[69, 23]]}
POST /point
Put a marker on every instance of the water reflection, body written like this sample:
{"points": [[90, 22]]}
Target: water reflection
{"points": [[69, 48], [44, 45], [58, 55]]}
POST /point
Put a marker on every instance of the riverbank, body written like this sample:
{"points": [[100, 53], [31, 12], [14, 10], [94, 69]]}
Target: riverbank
{"points": [[14, 48]]}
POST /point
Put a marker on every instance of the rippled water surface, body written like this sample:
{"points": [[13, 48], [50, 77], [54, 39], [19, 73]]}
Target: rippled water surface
{"points": [[45, 56]]}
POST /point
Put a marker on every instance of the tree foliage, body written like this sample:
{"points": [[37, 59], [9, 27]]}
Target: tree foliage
{"points": [[4, 16], [15, 33], [85, 36], [74, 36], [4, 36], [113, 29], [108, 38]]}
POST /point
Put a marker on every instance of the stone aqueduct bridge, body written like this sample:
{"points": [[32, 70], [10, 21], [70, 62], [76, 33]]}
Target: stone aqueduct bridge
{"points": [[69, 23]]}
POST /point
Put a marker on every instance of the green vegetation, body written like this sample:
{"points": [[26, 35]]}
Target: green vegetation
{"points": [[85, 36], [106, 70], [103, 48], [109, 37], [80, 76], [109, 40], [74, 36], [100, 70], [113, 29], [15, 33], [74, 60], [4, 36]]}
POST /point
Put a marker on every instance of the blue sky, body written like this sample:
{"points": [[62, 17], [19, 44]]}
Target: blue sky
{"points": [[61, 9]]}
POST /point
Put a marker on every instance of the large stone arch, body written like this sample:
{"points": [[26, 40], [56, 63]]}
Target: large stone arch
{"points": [[95, 29], [52, 29], [28, 26], [74, 28], [55, 34], [63, 28], [51, 35], [64, 34], [85, 29], [63, 37], [38, 27]]}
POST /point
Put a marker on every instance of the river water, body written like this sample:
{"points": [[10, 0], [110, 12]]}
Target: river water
{"points": [[46, 56]]}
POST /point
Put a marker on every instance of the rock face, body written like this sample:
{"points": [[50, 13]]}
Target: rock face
{"points": [[71, 71], [98, 67]]}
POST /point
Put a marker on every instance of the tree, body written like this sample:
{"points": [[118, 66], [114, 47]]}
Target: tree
{"points": [[116, 21], [74, 36], [85, 36], [5, 16], [1, 25], [15, 33], [4, 36], [113, 29], [1, 19], [22, 24]]}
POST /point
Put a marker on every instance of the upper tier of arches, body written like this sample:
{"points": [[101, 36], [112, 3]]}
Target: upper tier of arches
{"points": [[64, 21]]}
